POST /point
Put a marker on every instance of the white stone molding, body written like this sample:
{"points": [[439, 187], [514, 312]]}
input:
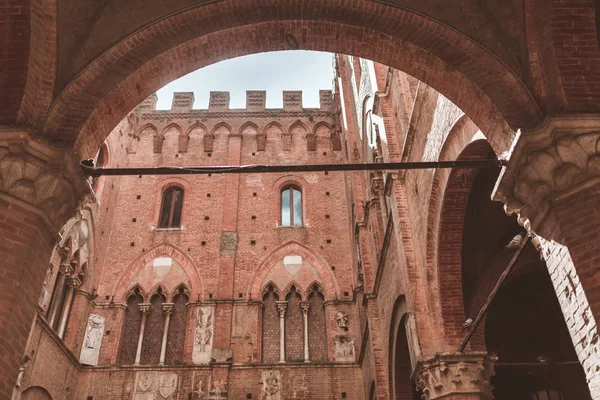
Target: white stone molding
{"points": [[455, 374], [550, 164], [281, 307], [168, 310], [144, 309], [46, 180], [203, 335], [305, 305], [271, 385]]}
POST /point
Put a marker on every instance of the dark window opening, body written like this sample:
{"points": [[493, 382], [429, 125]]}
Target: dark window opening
{"points": [[170, 211]]}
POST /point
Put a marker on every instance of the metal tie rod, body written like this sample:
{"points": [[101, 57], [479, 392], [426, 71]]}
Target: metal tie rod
{"points": [[262, 168]]}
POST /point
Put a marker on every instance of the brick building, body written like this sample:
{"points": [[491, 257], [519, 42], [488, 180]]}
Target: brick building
{"points": [[307, 285], [172, 295]]}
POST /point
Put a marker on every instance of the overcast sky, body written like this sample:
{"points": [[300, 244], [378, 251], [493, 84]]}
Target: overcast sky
{"points": [[308, 71]]}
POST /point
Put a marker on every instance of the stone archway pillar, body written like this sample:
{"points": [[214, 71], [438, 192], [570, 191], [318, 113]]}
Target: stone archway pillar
{"points": [[464, 376], [40, 189], [552, 183]]}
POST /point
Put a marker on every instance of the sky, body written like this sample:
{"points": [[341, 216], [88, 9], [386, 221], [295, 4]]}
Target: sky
{"points": [[309, 71]]}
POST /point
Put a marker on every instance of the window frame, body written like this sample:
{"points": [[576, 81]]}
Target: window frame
{"points": [[291, 187], [169, 224]]}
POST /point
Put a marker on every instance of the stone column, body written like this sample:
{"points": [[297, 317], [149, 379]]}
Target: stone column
{"points": [[145, 309], [281, 307], [305, 308], [64, 271], [168, 310], [73, 284], [456, 376], [40, 189], [552, 183]]}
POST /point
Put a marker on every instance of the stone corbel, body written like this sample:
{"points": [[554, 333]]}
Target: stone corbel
{"points": [[549, 165], [455, 374], [47, 180]]}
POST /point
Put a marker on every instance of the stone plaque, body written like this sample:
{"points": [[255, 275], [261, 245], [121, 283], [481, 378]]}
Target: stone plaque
{"points": [[228, 243], [90, 350], [271, 385], [203, 335], [344, 348]]}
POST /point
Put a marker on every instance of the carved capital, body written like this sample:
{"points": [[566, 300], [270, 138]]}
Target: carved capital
{"points": [[548, 165], [144, 307], [167, 308], [281, 307], [455, 373], [305, 306], [47, 180], [73, 282]]}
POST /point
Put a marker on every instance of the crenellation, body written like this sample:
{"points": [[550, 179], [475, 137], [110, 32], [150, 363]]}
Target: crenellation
{"points": [[256, 100], [182, 101], [218, 101], [149, 104], [292, 100]]}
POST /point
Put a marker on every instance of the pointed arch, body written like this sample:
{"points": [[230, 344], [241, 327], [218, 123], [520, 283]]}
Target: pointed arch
{"points": [[154, 291], [249, 124], [147, 127], [275, 289], [180, 288], [293, 284], [330, 283], [188, 265], [220, 125], [299, 125], [196, 125], [170, 126], [273, 125], [320, 125], [131, 291]]}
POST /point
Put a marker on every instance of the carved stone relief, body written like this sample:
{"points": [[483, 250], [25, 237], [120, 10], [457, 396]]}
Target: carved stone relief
{"points": [[412, 337], [92, 340], [228, 243], [344, 348], [151, 385], [298, 382], [341, 319], [271, 385], [203, 335]]}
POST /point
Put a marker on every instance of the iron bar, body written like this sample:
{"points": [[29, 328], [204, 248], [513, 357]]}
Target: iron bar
{"points": [[261, 168], [484, 309]]}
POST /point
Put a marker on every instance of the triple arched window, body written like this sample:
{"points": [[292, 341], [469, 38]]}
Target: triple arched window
{"points": [[154, 332], [171, 208], [293, 329], [291, 206]]}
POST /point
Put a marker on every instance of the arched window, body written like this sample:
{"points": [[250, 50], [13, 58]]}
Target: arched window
{"points": [[294, 328], [270, 327], [317, 336], [291, 206], [153, 333], [171, 208], [131, 329], [176, 334]]}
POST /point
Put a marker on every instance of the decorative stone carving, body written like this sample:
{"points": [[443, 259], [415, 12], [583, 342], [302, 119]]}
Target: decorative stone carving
{"points": [[228, 244], [271, 385], [218, 390], [167, 384], [344, 348], [457, 374], [152, 385], [412, 337], [341, 319], [92, 340], [550, 164], [48, 179], [203, 335]]}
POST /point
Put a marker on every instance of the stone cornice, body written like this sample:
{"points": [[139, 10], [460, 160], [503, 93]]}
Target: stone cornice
{"points": [[46, 180], [455, 374], [550, 164]]}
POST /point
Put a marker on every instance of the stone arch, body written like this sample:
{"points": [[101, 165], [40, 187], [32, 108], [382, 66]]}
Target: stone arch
{"points": [[447, 257], [298, 125], [124, 281], [180, 288], [298, 288], [267, 288], [173, 126], [329, 281], [196, 125], [131, 291], [272, 126], [147, 127], [155, 290], [478, 71], [36, 393]]}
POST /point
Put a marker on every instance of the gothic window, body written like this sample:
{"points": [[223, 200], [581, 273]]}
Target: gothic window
{"points": [[270, 331], [176, 334], [153, 332], [60, 301], [294, 328], [291, 206], [171, 208], [131, 329], [317, 336]]}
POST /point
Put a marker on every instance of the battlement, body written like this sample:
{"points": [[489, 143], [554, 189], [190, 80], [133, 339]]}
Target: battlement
{"points": [[255, 101]]}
